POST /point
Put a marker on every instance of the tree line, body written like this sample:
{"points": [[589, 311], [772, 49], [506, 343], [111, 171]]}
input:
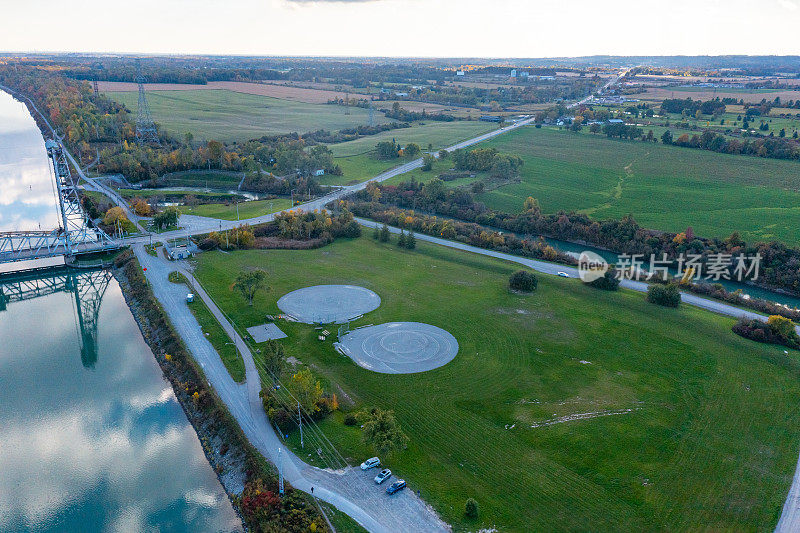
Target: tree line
{"points": [[779, 269]]}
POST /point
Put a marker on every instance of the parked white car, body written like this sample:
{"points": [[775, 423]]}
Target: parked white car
{"points": [[383, 475], [370, 463]]}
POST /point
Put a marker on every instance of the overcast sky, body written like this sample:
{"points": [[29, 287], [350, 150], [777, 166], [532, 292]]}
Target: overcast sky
{"points": [[426, 28]]}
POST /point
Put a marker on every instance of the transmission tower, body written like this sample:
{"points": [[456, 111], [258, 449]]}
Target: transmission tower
{"points": [[371, 119], [145, 127], [96, 68]]}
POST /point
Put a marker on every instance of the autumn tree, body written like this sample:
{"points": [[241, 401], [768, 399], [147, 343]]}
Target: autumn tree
{"points": [[307, 390]]}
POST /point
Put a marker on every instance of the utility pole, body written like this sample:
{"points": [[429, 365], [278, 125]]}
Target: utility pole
{"points": [[280, 472], [300, 420]]}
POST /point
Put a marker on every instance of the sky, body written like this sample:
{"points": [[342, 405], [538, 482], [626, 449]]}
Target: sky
{"points": [[404, 28]]}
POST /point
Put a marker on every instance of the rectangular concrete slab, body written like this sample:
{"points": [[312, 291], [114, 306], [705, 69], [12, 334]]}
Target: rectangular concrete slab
{"points": [[266, 332]]}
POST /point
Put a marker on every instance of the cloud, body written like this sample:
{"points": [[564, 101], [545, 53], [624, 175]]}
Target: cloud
{"points": [[791, 5]]}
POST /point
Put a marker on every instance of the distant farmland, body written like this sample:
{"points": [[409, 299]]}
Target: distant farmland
{"points": [[707, 93], [664, 187], [231, 116], [298, 94]]}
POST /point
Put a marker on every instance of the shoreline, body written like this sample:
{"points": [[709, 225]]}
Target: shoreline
{"points": [[228, 460]]}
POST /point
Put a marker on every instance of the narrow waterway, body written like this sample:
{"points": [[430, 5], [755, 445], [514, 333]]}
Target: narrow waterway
{"points": [[92, 437]]}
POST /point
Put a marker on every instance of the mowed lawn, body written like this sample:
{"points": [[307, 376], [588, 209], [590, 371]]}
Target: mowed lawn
{"points": [[228, 211], [358, 161], [229, 116], [664, 187], [710, 441]]}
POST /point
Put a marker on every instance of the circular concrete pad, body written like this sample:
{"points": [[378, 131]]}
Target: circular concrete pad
{"points": [[327, 304], [400, 347]]}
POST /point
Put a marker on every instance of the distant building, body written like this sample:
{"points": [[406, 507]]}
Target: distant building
{"points": [[319, 172], [616, 121], [459, 73], [524, 74], [401, 94], [513, 73]]}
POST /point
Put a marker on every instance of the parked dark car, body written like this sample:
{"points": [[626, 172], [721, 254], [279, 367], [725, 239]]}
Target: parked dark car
{"points": [[400, 484]]}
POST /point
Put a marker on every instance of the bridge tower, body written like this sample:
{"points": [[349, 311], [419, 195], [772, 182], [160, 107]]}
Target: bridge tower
{"points": [[145, 127], [76, 228]]}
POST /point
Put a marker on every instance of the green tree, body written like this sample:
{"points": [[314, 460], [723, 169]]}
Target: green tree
{"points": [[412, 150], [382, 432], [523, 280], [386, 150], [427, 162], [666, 295], [411, 240], [384, 233], [274, 355], [666, 137], [166, 218], [443, 154], [248, 283], [401, 240], [471, 508]]}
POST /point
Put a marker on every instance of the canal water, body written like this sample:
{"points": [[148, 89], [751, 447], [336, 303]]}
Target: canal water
{"points": [[92, 437]]}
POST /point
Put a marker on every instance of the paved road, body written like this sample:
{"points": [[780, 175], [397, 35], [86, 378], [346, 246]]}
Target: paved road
{"points": [[350, 490]]}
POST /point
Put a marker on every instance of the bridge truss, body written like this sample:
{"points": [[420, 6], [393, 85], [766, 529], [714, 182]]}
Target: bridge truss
{"points": [[75, 235], [86, 286]]}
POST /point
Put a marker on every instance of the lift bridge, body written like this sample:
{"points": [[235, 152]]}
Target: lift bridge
{"points": [[75, 235], [86, 286]]}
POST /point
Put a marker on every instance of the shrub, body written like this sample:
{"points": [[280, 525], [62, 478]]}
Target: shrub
{"points": [[666, 295], [524, 281], [609, 281], [471, 508], [777, 330], [350, 420]]}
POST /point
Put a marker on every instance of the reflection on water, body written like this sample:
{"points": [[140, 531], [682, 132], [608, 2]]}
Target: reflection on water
{"points": [[27, 199], [93, 438]]}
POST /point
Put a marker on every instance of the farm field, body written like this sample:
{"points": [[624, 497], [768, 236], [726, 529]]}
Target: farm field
{"points": [[707, 93], [711, 436], [231, 116], [359, 163], [299, 94], [227, 211], [664, 187]]}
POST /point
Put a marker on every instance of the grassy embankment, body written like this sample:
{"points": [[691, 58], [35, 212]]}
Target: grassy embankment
{"points": [[711, 437]]}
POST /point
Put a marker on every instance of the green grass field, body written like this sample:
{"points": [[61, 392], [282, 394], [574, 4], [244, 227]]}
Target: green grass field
{"points": [[359, 163], [229, 116], [710, 442], [251, 209], [664, 187]]}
